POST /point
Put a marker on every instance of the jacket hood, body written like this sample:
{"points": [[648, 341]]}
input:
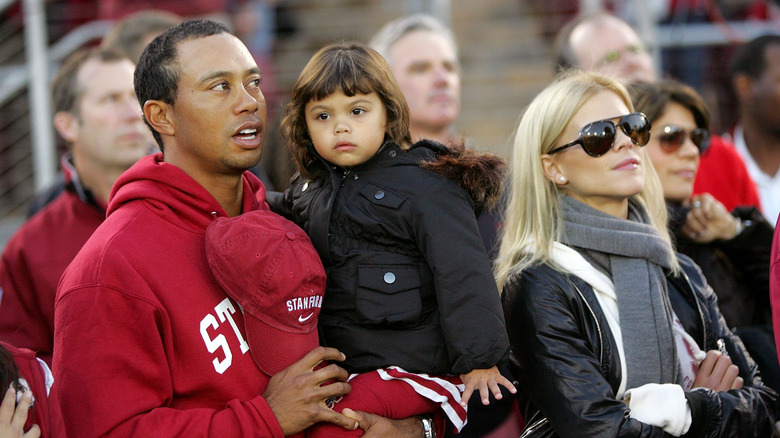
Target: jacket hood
{"points": [[481, 174], [171, 192]]}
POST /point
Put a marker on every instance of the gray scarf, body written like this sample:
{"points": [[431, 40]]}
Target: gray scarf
{"points": [[634, 256]]}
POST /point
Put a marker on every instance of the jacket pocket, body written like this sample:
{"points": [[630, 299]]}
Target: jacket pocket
{"points": [[381, 196], [389, 295]]}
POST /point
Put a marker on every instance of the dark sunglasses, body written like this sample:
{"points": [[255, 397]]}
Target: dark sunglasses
{"points": [[672, 138], [597, 138]]}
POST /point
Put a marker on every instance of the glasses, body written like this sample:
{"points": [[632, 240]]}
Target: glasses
{"points": [[597, 138], [614, 56], [673, 137]]}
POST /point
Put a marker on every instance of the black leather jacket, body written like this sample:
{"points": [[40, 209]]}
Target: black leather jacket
{"points": [[566, 360]]}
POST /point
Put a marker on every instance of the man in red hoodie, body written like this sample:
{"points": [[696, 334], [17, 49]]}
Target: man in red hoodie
{"points": [[147, 343], [97, 114]]}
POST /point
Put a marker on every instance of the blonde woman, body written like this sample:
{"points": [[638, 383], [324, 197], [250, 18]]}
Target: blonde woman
{"points": [[612, 333]]}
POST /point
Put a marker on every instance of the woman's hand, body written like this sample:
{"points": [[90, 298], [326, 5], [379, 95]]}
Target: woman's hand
{"points": [[709, 220], [717, 373], [484, 380], [13, 416]]}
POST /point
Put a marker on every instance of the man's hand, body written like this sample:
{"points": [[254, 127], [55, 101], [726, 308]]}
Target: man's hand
{"points": [[717, 373], [376, 426], [297, 394]]}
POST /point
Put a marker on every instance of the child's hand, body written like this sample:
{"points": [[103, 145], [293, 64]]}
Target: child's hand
{"points": [[482, 380]]}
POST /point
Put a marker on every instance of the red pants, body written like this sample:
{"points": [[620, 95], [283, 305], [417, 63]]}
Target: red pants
{"points": [[370, 393]]}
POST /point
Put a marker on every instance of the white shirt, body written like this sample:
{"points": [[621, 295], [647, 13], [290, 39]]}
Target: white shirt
{"points": [[768, 186]]}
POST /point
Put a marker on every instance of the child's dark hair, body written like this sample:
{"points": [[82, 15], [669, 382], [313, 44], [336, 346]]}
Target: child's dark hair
{"points": [[351, 68], [9, 374]]}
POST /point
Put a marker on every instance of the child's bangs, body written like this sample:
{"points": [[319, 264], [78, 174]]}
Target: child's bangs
{"points": [[343, 74]]}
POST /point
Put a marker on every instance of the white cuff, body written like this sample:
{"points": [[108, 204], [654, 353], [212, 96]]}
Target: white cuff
{"points": [[661, 405]]}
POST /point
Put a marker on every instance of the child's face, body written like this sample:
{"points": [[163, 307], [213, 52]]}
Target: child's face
{"points": [[346, 131]]}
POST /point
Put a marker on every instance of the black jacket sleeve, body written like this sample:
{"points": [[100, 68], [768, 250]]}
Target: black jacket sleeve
{"points": [[749, 252], [748, 411], [448, 236]]}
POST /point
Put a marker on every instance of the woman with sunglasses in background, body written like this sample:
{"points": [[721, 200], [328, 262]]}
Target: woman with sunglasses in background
{"points": [[732, 248], [612, 333]]}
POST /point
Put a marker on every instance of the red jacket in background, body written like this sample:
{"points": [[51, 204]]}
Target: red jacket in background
{"points": [[723, 175], [33, 262], [146, 341]]}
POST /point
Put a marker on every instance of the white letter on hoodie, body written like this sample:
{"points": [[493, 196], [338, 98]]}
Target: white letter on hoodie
{"points": [[218, 342], [224, 309]]}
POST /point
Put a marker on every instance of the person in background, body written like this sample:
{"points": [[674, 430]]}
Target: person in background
{"points": [[423, 56], [604, 43], [755, 74], [731, 248], [612, 333], [134, 32], [128, 36], [147, 342], [97, 114]]}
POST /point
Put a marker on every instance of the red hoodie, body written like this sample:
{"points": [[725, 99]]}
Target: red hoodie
{"points": [[146, 341], [723, 174]]}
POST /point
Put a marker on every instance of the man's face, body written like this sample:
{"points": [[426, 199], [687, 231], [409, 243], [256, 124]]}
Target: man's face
{"points": [[763, 98], [426, 68], [219, 115], [611, 46], [107, 129]]}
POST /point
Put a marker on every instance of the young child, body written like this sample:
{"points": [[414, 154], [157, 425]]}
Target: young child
{"points": [[410, 293]]}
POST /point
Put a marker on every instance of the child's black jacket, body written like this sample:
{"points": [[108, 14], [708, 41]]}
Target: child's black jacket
{"points": [[409, 281]]}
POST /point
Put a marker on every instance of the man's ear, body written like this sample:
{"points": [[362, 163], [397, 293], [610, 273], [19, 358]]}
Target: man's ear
{"points": [[66, 124], [552, 171], [158, 114], [742, 85]]}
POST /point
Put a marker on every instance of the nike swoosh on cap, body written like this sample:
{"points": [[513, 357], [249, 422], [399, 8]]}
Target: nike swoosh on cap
{"points": [[306, 318]]}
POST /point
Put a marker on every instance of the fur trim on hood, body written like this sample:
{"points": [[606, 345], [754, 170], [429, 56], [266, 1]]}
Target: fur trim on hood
{"points": [[481, 174]]}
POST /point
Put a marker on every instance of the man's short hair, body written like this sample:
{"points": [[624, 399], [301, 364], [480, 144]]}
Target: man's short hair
{"points": [[157, 73], [750, 58], [129, 34], [391, 32], [65, 86]]}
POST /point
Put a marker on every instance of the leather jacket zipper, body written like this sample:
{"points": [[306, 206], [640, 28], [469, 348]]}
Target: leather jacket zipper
{"points": [[531, 428], [701, 313], [598, 327]]}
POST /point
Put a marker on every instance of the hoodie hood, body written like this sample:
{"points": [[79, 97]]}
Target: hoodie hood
{"points": [[171, 192], [481, 174]]}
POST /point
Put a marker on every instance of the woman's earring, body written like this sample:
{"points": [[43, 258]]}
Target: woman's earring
{"points": [[562, 179]]}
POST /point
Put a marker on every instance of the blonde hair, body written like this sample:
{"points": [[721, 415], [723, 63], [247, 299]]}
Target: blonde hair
{"points": [[533, 219]]}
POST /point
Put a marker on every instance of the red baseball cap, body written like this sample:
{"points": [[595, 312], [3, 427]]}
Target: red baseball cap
{"points": [[270, 267]]}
